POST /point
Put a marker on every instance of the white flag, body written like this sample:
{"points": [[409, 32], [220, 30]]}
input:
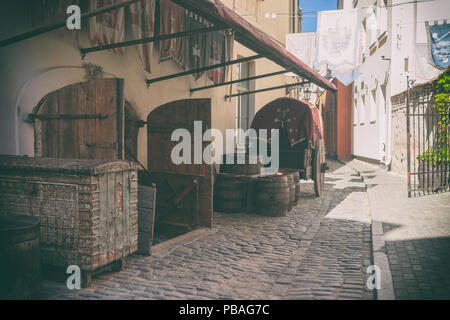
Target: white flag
{"points": [[338, 39], [302, 45]]}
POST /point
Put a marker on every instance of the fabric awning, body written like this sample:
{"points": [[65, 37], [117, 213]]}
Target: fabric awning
{"points": [[254, 39]]}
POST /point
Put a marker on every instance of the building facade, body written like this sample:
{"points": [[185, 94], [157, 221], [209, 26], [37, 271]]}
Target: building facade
{"points": [[394, 47], [35, 67]]}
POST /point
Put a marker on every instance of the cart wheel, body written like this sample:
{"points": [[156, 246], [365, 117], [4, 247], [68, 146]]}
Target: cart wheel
{"points": [[319, 175], [118, 265], [86, 279]]}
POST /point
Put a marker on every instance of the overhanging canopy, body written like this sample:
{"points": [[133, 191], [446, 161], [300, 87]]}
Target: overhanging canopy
{"points": [[254, 39]]}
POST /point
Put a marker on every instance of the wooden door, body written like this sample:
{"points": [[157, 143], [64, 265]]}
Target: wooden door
{"points": [[81, 121], [184, 191]]}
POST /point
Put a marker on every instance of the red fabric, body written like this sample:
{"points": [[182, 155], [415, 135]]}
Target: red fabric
{"points": [[171, 21], [303, 120], [255, 39]]}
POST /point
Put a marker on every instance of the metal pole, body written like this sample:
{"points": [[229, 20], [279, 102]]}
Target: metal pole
{"points": [[408, 143], [238, 81], [265, 89], [219, 65], [61, 24], [85, 51]]}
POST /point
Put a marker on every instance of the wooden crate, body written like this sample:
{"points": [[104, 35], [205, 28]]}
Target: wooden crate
{"points": [[88, 208], [146, 208]]}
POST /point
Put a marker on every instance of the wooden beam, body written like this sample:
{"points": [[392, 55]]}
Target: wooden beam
{"points": [[85, 51], [215, 66], [266, 89], [238, 81], [61, 24]]}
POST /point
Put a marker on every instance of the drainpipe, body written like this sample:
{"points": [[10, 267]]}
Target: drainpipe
{"points": [[334, 114]]}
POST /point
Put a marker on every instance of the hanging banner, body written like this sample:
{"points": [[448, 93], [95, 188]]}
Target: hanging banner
{"points": [[142, 24], [346, 78], [440, 45], [219, 48], [196, 45], [302, 45], [172, 21], [423, 69], [338, 39], [107, 28]]}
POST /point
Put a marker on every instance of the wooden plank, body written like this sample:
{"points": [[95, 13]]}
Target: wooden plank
{"points": [[106, 130], [86, 128], [120, 213], [104, 218], [52, 133], [68, 133], [126, 213], [120, 119], [111, 230]]}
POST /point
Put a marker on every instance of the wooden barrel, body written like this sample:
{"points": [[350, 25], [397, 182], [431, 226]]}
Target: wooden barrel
{"points": [[248, 165], [20, 265], [296, 183], [272, 195], [229, 194], [297, 187]]}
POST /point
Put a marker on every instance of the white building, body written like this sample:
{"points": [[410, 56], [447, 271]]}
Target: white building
{"points": [[394, 47]]}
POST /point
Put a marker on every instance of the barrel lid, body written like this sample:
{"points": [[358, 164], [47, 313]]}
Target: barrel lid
{"points": [[17, 228], [80, 166]]}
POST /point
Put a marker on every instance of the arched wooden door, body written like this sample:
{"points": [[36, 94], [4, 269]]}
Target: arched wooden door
{"points": [[185, 191], [81, 121]]}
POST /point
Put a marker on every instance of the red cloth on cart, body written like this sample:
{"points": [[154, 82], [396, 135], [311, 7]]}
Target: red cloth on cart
{"points": [[302, 119]]}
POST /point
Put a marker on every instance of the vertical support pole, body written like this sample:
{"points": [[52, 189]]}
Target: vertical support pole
{"points": [[408, 142], [334, 113]]}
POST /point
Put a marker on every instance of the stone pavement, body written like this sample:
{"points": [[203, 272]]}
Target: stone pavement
{"points": [[414, 234], [320, 250]]}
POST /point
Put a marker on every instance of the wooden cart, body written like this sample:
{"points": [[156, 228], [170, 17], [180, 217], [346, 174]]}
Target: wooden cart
{"points": [[301, 137]]}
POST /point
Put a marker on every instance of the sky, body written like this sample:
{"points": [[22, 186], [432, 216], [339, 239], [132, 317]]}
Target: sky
{"points": [[310, 19]]}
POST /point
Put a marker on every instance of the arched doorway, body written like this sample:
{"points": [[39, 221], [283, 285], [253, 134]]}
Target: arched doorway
{"points": [[184, 192], [81, 121]]}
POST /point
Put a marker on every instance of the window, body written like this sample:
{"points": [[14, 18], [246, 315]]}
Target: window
{"points": [[361, 110], [243, 103], [373, 106]]}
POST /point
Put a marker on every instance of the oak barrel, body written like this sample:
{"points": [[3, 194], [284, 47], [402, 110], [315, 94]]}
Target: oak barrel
{"points": [[229, 194], [20, 263], [272, 195], [296, 176], [242, 163]]}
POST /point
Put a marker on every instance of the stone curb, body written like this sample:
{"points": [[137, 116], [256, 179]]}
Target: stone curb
{"points": [[380, 259]]}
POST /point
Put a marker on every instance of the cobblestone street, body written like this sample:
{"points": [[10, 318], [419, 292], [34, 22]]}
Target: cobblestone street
{"points": [[319, 251]]}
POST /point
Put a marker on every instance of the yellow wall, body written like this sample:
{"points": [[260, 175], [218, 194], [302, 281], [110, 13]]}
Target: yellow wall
{"points": [[35, 67]]}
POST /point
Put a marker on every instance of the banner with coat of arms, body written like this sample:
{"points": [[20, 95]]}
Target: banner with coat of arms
{"points": [[107, 28], [338, 40], [219, 48], [302, 45], [142, 24], [439, 40]]}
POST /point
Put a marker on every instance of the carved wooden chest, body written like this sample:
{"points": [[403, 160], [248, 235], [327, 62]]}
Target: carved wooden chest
{"points": [[88, 208]]}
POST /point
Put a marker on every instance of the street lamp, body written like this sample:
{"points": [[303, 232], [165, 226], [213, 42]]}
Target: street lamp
{"points": [[307, 94]]}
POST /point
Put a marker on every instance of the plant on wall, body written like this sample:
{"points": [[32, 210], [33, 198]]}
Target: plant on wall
{"points": [[440, 153]]}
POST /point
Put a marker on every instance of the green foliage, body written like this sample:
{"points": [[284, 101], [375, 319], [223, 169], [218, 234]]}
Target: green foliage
{"points": [[440, 153]]}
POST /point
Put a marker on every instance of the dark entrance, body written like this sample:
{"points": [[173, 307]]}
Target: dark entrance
{"points": [[184, 192]]}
